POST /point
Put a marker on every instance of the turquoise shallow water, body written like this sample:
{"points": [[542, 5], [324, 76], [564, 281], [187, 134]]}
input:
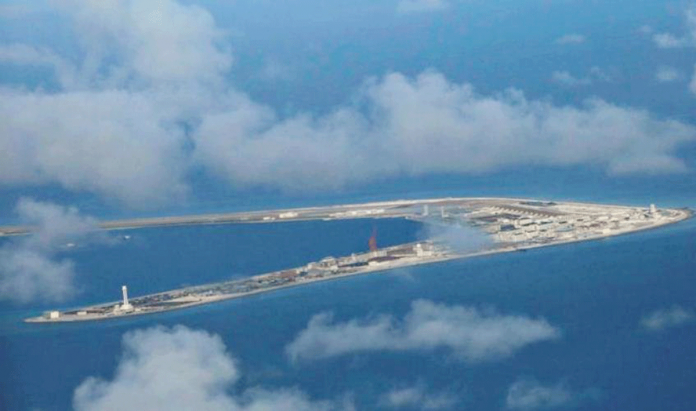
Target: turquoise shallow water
{"points": [[595, 292]]}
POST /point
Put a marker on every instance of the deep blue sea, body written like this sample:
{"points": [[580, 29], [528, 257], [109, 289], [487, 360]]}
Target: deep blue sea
{"points": [[595, 292]]}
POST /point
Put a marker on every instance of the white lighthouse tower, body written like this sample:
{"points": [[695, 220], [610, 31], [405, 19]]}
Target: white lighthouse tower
{"points": [[126, 305]]}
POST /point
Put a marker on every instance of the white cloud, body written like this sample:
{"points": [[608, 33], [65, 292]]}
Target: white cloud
{"points": [[429, 125], [115, 143], [669, 41], [529, 394], [156, 42], [666, 74], [276, 71], [148, 104], [595, 74], [418, 6], [565, 78], [116, 127], [248, 145], [598, 74], [646, 29], [182, 369], [418, 397], [432, 125], [470, 334], [28, 274], [571, 39], [29, 267], [22, 54], [667, 318]]}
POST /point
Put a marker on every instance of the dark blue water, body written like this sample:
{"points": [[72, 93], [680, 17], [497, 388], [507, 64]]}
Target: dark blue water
{"points": [[157, 259], [596, 292]]}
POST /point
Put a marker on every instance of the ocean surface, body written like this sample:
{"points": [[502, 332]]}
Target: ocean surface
{"points": [[595, 292], [324, 53]]}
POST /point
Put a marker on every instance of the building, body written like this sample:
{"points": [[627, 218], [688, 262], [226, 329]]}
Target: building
{"points": [[126, 306]]}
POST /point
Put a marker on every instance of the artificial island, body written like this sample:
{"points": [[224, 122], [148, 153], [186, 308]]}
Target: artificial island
{"points": [[508, 224]]}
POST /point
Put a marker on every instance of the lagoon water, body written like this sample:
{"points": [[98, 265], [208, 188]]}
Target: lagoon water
{"points": [[595, 292]]}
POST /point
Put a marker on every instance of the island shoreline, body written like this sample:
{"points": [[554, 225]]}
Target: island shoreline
{"points": [[683, 214]]}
